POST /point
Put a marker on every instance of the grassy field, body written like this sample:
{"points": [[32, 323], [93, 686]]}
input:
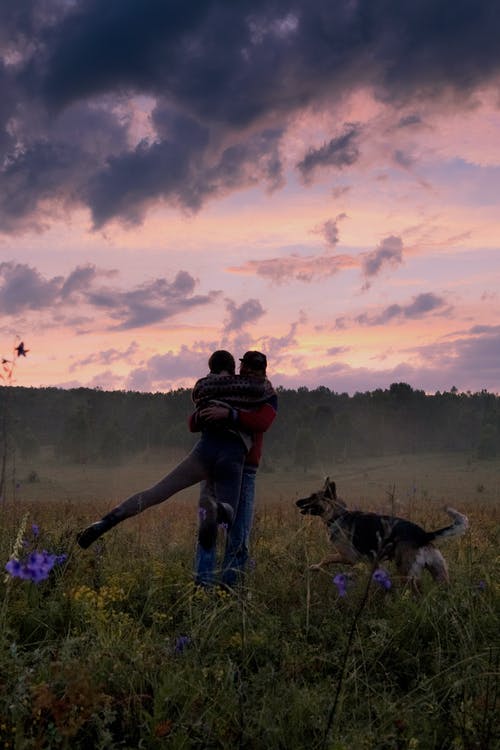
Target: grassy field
{"points": [[117, 649]]}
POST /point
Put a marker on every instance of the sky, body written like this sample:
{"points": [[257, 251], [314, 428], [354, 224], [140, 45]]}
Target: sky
{"points": [[316, 179]]}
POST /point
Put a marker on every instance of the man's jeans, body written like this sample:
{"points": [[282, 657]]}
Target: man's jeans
{"points": [[237, 543]]}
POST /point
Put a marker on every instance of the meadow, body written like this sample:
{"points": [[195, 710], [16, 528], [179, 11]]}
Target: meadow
{"points": [[118, 649]]}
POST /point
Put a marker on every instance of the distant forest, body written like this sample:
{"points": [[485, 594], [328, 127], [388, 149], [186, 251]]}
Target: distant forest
{"points": [[313, 426]]}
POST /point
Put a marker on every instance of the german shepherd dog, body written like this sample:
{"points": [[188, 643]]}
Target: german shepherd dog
{"points": [[357, 535]]}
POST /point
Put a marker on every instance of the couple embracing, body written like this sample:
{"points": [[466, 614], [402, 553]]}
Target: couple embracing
{"points": [[231, 412]]}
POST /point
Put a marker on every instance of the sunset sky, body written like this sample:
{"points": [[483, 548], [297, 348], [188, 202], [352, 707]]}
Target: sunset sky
{"points": [[317, 179]]}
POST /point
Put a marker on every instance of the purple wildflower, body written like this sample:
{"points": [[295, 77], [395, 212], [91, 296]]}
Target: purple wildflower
{"points": [[340, 581], [202, 513], [481, 585], [13, 567], [36, 567], [381, 576], [35, 529], [181, 642]]}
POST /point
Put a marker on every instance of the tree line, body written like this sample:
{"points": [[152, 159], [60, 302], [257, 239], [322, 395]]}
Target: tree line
{"points": [[313, 426]]}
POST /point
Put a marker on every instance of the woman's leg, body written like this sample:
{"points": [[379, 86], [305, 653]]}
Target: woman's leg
{"points": [[207, 514], [190, 471], [218, 500], [206, 548]]}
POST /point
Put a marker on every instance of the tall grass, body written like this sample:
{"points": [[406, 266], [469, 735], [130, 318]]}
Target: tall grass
{"points": [[118, 649]]}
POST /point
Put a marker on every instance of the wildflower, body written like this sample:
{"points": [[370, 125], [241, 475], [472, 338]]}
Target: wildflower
{"points": [[36, 567], [340, 581], [382, 577], [202, 513], [35, 529], [13, 567], [223, 525], [181, 642], [481, 585]]}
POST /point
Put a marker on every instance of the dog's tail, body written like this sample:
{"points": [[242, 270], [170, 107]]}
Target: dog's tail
{"points": [[459, 526]]}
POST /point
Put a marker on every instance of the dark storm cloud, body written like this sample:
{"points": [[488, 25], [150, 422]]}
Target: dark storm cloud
{"points": [[421, 305], [53, 160], [180, 170], [233, 69], [7, 105], [23, 20], [298, 51]]}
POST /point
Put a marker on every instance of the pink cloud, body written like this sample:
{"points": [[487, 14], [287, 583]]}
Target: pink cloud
{"points": [[296, 267]]}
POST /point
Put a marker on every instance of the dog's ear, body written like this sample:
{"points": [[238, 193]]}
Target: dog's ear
{"points": [[330, 489], [340, 503]]}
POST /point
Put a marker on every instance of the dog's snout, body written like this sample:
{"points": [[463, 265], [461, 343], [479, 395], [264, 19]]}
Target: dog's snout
{"points": [[302, 502], [308, 506]]}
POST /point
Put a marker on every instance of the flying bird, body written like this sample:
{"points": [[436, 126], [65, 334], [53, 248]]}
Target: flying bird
{"points": [[21, 351]]}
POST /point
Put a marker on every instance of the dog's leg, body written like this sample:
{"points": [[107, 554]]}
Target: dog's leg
{"points": [[410, 564], [414, 586], [437, 567], [342, 556]]}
